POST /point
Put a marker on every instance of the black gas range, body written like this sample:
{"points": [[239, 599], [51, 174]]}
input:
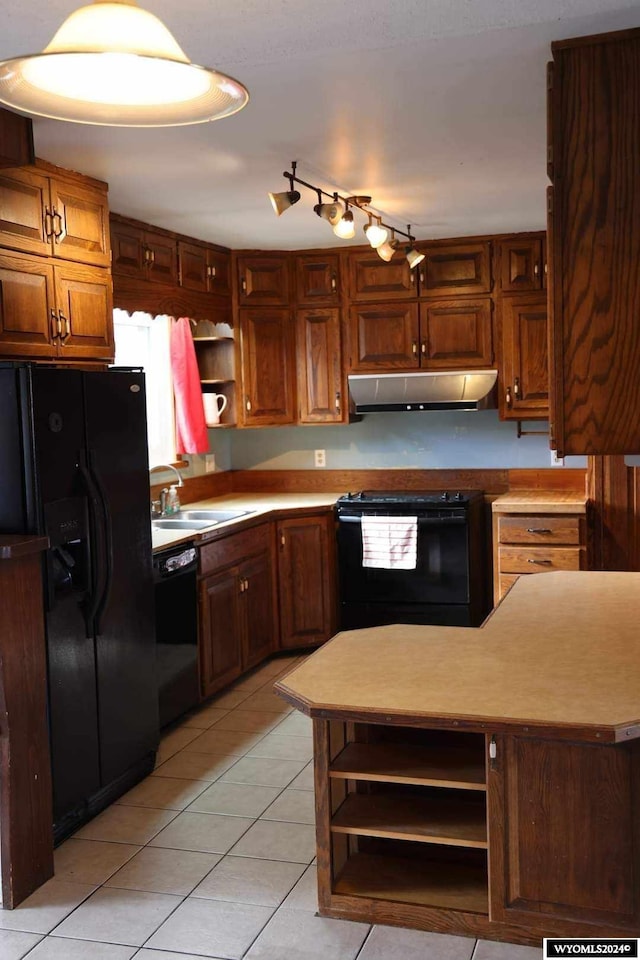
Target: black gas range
{"points": [[441, 578]]}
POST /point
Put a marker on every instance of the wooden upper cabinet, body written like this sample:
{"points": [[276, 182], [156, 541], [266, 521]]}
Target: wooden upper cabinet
{"points": [[263, 280], [54, 217], [143, 254], [306, 580], [384, 335], [595, 244], [319, 365], [268, 366], [202, 268], [541, 815], [317, 279], [524, 374], [456, 334], [521, 267], [16, 139], [370, 278], [51, 309], [455, 269]]}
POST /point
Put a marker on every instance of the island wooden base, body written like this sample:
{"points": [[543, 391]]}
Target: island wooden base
{"points": [[539, 840]]}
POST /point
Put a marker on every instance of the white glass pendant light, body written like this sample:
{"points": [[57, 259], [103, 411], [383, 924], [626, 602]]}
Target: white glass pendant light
{"points": [[345, 228], [114, 64], [414, 257], [387, 249], [375, 234]]}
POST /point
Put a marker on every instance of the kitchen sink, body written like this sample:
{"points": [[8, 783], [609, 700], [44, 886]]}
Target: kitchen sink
{"points": [[171, 524], [213, 516]]}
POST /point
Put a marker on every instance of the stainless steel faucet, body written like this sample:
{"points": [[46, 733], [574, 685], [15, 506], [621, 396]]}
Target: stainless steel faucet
{"points": [[159, 507]]}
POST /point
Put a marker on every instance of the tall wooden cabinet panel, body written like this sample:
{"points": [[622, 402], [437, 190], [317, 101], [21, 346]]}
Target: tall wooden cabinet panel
{"points": [[258, 608], [263, 280], [370, 278], [53, 309], [16, 139], [319, 366], [220, 631], [306, 580], [594, 225], [268, 366], [524, 383], [521, 266], [384, 335], [540, 868], [454, 269], [317, 279], [456, 334]]}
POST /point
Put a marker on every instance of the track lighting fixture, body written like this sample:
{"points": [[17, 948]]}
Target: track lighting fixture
{"points": [[282, 201], [375, 233], [338, 212]]}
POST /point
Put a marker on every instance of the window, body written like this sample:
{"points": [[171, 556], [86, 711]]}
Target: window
{"points": [[143, 341]]}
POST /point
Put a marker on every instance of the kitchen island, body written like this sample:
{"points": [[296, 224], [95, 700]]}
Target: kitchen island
{"points": [[484, 782]]}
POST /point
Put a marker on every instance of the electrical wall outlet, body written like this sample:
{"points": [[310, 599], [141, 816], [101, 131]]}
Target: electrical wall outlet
{"points": [[209, 463], [556, 461], [320, 459]]}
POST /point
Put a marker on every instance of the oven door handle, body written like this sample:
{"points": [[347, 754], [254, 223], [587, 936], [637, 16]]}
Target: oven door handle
{"points": [[422, 521]]}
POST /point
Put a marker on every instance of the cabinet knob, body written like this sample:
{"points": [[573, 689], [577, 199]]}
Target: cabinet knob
{"points": [[508, 399], [212, 273], [516, 387], [423, 347]]}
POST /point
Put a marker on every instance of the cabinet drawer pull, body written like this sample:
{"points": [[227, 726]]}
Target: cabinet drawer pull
{"points": [[541, 563], [538, 530]]}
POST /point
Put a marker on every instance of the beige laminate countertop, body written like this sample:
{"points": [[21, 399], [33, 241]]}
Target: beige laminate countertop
{"points": [[540, 501], [560, 657], [261, 506]]}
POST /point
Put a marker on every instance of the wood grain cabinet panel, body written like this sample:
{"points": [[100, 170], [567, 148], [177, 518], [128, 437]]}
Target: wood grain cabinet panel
{"points": [[24, 199], [27, 302], [220, 646], [16, 139], [259, 608], [203, 269], [370, 278], [384, 335], [456, 334], [318, 350], [521, 266], [595, 241], [317, 279], [455, 269], [84, 299], [524, 379], [263, 280], [306, 580], [268, 366], [161, 258], [545, 797], [143, 254], [80, 223]]}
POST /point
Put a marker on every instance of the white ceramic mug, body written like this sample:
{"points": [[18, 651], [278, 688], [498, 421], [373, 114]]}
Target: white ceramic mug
{"points": [[213, 408]]}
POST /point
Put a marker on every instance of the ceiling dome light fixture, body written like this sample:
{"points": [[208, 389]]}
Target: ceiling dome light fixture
{"points": [[339, 213], [112, 63], [375, 233]]}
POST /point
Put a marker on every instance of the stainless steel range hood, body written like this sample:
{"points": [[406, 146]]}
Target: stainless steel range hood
{"points": [[456, 390]]}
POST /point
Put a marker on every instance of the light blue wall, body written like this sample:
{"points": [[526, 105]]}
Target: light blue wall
{"points": [[443, 440]]}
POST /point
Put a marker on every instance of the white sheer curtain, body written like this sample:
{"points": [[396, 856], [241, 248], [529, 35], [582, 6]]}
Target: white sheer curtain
{"points": [[143, 341]]}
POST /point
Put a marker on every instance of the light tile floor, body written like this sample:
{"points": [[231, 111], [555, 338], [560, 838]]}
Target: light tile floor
{"points": [[212, 856]]}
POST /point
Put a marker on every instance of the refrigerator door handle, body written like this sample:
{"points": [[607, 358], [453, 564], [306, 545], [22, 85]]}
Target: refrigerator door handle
{"points": [[90, 608], [108, 544]]}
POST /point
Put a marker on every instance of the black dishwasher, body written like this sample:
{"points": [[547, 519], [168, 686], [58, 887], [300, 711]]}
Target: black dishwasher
{"points": [[176, 599]]}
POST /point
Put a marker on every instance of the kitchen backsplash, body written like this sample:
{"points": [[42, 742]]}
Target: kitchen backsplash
{"points": [[443, 440]]}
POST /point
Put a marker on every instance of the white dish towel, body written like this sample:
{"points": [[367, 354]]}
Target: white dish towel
{"points": [[390, 542]]}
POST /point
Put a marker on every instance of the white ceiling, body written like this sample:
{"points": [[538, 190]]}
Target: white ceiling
{"points": [[434, 107]]}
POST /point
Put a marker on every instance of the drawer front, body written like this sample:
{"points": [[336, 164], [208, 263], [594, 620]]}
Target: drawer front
{"points": [[540, 529], [538, 559], [235, 548]]}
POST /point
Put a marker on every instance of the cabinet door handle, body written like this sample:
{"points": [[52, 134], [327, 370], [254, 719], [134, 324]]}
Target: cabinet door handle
{"points": [[493, 754], [56, 326], [414, 348], [48, 223], [536, 269], [423, 347], [283, 540], [540, 563], [412, 278], [212, 272], [246, 584], [152, 256], [508, 399], [67, 328], [338, 402], [538, 530], [146, 255], [247, 403], [244, 285], [516, 387], [241, 585], [422, 276], [60, 233], [334, 284]]}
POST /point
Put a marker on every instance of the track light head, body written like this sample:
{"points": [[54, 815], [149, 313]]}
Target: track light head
{"points": [[345, 228], [282, 201], [414, 257], [387, 249], [330, 211], [375, 234]]}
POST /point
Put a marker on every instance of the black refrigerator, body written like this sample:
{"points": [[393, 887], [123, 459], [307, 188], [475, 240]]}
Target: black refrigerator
{"points": [[74, 466]]}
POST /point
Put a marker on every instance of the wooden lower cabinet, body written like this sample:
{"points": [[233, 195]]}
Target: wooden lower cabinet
{"points": [[504, 837], [238, 605], [306, 580], [56, 310]]}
